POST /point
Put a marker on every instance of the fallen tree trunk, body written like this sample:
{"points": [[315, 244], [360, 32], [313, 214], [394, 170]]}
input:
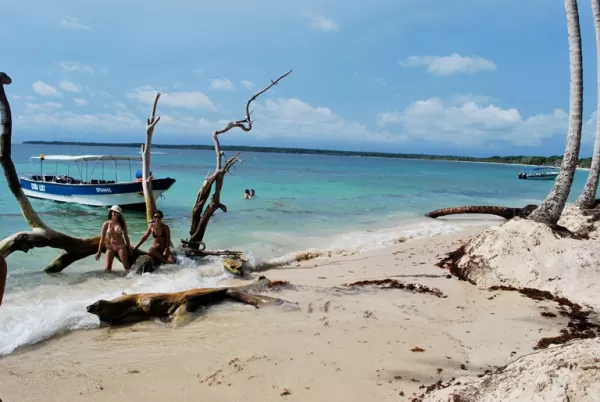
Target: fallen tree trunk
{"points": [[145, 306], [503, 212]]}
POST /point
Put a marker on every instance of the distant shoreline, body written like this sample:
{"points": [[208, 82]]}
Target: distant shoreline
{"points": [[521, 160]]}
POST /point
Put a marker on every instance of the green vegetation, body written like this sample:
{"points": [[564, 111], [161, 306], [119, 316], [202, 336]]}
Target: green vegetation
{"points": [[554, 160]]}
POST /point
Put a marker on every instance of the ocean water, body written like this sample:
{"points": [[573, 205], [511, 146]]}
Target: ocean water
{"points": [[304, 202]]}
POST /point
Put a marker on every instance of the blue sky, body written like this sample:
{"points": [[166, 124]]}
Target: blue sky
{"points": [[468, 77]]}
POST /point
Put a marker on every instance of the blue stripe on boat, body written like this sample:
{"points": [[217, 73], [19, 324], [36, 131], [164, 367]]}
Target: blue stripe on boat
{"points": [[91, 189]]}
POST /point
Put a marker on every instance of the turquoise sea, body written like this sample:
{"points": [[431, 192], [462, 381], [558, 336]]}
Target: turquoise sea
{"points": [[303, 202]]}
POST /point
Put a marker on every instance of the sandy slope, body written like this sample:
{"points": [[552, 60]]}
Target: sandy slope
{"points": [[340, 345]]}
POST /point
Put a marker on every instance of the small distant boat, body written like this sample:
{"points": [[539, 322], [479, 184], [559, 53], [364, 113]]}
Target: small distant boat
{"points": [[88, 189], [540, 173]]}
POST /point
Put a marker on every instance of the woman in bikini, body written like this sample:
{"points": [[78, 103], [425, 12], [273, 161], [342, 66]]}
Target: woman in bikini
{"points": [[161, 246], [118, 239]]}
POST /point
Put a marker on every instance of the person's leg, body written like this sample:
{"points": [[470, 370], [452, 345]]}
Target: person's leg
{"points": [[156, 254], [3, 274], [110, 256], [124, 256]]}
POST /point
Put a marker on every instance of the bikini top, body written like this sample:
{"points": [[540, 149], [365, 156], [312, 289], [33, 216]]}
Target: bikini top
{"points": [[155, 235], [116, 229]]}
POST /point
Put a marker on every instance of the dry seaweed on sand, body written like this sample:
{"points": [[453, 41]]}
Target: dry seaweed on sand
{"points": [[396, 284]]}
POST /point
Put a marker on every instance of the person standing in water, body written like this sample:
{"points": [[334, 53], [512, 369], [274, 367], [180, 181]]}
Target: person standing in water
{"points": [[118, 239], [161, 247], [3, 274]]}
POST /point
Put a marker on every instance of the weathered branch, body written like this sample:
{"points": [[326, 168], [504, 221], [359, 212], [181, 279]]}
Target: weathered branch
{"points": [[145, 306], [202, 213], [503, 212], [3, 274], [146, 152], [10, 172]]}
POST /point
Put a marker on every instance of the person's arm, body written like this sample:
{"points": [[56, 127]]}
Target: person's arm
{"points": [[3, 274], [126, 235], [144, 237], [102, 236], [168, 242]]}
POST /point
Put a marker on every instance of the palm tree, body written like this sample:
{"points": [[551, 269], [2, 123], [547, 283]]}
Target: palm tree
{"points": [[587, 199], [551, 208]]}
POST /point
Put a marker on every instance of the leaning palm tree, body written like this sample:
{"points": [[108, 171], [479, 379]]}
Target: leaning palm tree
{"points": [[587, 199], [551, 208]]}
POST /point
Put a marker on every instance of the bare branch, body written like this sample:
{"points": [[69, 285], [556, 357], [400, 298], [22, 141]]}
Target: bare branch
{"points": [[10, 172], [146, 154], [248, 120], [201, 215]]}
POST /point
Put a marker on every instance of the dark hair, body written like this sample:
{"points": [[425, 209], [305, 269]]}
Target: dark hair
{"points": [[159, 213], [120, 218], [246, 191], [252, 192]]}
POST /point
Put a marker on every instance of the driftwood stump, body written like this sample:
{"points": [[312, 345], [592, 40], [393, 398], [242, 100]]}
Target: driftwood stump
{"points": [[145, 306]]}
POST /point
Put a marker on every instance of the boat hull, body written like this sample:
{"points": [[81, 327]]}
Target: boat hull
{"points": [[128, 195], [545, 177]]}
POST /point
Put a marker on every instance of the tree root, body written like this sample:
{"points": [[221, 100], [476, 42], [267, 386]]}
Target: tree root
{"points": [[145, 306]]}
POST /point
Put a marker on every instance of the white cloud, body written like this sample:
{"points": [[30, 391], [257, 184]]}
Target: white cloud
{"points": [[69, 86], [199, 71], [449, 65], [324, 24], [387, 118], [186, 100], [293, 118], [223, 83], [472, 124], [43, 89], [287, 119], [116, 105], [460, 99], [247, 84], [72, 23], [72, 66], [45, 107], [80, 101], [92, 122]]}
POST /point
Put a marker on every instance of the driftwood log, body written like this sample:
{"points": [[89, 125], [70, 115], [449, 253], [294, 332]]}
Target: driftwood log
{"points": [[204, 209], [40, 235], [146, 306], [503, 212]]}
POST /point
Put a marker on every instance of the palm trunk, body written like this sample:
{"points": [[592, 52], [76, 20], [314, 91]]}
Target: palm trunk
{"points": [[587, 199], [550, 210]]}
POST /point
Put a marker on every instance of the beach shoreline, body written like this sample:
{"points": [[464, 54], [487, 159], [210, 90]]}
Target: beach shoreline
{"points": [[341, 343]]}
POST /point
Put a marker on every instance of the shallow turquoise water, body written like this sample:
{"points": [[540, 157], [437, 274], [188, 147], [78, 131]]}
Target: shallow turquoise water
{"points": [[303, 201]]}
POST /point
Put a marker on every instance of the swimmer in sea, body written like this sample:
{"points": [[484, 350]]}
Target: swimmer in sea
{"points": [[118, 239], [247, 194]]}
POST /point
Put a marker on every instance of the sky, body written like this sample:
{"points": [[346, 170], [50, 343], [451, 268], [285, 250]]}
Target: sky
{"points": [[462, 77]]}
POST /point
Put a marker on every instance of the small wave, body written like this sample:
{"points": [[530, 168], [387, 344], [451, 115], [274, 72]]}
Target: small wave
{"points": [[33, 314]]}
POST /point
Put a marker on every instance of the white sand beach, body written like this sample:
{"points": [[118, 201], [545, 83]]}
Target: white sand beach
{"points": [[351, 344]]}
